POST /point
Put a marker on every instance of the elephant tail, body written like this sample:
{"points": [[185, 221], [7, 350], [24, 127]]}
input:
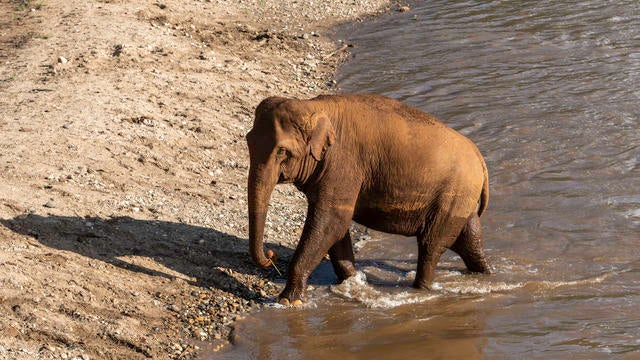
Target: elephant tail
{"points": [[484, 195]]}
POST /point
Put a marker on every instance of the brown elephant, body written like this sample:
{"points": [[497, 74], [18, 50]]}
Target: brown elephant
{"points": [[373, 160]]}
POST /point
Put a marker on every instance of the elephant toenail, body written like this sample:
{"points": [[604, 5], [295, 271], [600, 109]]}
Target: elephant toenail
{"points": [[284, 302]]}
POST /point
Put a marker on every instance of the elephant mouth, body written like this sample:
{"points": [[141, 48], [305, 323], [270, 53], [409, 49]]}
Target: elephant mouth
{"points": [[284, 180]]}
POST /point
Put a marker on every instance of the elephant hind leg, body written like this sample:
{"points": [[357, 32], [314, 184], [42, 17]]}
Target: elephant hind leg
{"points": [[441, 230], [469, 246], [342, 259]]}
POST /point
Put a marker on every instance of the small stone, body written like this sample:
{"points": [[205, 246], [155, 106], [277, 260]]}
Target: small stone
{"points": [[49, 204], [62, 60], [117, 50], [305, 36], [66, 126], [404, 9]]}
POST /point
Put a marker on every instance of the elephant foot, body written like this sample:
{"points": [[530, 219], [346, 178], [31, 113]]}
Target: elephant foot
{"points": [[485, 270], [286, 302], [422, 285]]}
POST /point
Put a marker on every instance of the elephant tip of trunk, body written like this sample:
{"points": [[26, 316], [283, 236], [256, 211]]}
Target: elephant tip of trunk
{"points": [[270, 259]]}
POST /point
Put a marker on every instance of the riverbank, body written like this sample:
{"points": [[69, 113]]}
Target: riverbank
{"points": [[123, 191]]}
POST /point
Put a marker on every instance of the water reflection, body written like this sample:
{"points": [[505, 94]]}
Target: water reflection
{"points": [[311, 333]]}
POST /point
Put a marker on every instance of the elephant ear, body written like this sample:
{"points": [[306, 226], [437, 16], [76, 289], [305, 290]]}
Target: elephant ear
{"points": [[322, 135]]}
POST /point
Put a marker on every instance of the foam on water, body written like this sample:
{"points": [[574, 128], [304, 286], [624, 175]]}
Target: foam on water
{"points": [[356, 288], [475, 287], [551, 285]]}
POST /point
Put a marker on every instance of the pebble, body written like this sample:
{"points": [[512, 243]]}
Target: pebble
{"points": [[49, 204], [81, 357], [117, 50], [62, 60]]}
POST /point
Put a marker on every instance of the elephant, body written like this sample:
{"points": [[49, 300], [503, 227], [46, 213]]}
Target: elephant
{"points": [[369, 159]]}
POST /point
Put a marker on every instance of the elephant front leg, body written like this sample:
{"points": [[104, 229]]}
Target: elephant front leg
{"points": [[342, 259], [325, 225]]}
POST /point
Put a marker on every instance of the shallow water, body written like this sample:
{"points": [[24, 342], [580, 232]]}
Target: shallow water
{"points": [[549, 91]]}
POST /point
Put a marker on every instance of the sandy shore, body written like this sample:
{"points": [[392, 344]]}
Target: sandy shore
{"points": [[123, 187]]}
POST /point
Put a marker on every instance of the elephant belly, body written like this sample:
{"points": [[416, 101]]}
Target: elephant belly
{"points": [[403, 220]]}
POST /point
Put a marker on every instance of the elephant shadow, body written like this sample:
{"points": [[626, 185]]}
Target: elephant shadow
{"points": [[194, 252]]}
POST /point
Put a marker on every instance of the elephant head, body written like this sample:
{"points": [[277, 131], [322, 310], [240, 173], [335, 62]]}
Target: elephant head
{"points": [[287, 142]]}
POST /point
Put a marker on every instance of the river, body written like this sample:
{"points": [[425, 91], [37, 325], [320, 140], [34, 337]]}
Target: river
{"points": [[550, 93]]}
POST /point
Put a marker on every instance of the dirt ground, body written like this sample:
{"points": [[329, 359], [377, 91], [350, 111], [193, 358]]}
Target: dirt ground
{"points": [[123, 227]]}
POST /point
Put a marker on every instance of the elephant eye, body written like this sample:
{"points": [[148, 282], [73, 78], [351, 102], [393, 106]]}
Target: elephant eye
{"points": [[281, 152]]}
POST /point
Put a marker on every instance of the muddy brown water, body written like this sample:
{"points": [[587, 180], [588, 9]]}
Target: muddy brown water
{"points": [[549, 91]]}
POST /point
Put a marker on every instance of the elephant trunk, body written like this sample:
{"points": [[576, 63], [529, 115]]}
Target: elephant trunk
{"points": [[259, 193]]}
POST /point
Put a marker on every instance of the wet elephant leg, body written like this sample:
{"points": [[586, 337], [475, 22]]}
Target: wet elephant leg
{"points": [[469, 246], [326, 224], [441, 232], [342, 259], [429, 252]]}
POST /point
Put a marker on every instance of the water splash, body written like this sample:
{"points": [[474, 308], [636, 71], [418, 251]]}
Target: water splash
{"points": [[356, 288], [476, 287]]}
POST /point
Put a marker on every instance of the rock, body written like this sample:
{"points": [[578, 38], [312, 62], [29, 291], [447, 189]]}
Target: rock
{"points": [[62, 60], [404, 9], [81, 357], [49, 204], [117, 50]]}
